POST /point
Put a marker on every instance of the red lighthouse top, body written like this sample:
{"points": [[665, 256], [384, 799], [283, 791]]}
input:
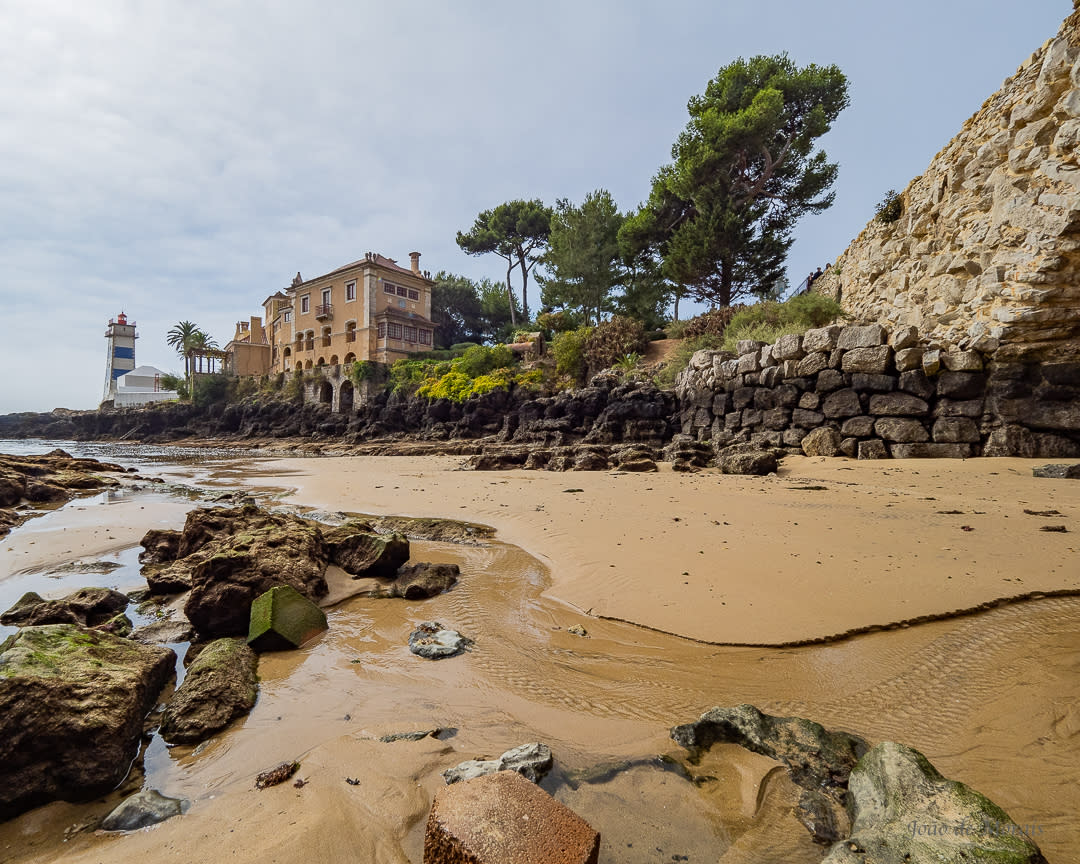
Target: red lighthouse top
{"points": [[121, 318]]}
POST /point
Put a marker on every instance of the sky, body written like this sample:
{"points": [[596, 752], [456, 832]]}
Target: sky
{"points": [[183, 160]]}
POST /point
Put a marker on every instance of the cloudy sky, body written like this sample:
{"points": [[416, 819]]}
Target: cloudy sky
{"points": [[183, 160]]}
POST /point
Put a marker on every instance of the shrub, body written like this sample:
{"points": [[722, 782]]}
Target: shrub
{"points": [[293, 390], [891, 207], [712, 323], [172, 382], [556, 322], [532, 381], [479, 360], [680, 357], [568, 349], [246, 386], [611, 340], [770, 320], [210, 389], [360, 371]]}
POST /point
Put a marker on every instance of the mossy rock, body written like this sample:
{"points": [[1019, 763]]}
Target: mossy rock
{"points": [[905, 812], [282, 619], [220, 685], [361, 552], [72, 703]]}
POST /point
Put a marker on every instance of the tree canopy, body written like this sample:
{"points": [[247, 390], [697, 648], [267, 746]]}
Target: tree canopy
{"points": [[468, 311], [744, 170], [517, 232]]}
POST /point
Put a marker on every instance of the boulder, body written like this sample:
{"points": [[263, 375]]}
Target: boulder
{"points": [[841, 403], [901, 430], [236, 554], [358, 550], [904, 811], [434, 642], [873, 449], [1057, 472], [160, 546], [282, 619], [739, 461], [421, 581], [142, 809], [502, 818], [167, 578], [220, 686], [171, 630], [868, 336], [72, 703], [821, 338], [88, 607], [898, 405], [873, 360], [824, 441], [531, 761]]}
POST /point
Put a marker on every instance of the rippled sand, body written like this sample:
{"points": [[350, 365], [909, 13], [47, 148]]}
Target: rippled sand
{"points": [[990, 698]]}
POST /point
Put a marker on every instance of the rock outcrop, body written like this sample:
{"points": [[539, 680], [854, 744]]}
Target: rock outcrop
{"points": [[72, 703], [506, 819], [220, 686], [87, 607], [143, 809], [986, 249]]}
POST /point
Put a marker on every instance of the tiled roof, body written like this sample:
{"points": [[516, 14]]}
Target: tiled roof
{"points": [[379, 261]]}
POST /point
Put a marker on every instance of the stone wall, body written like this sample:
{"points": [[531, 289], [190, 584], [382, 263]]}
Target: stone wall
{"points": [[987, 249], [877, 394]]}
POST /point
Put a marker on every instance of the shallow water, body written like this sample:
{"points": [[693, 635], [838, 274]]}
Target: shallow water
{"points": [[989, 698]]}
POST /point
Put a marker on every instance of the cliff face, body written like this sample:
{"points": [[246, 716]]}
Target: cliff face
{"points": [[987, 249]]}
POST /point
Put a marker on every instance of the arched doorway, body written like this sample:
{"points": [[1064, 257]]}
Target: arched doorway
{"points": [[322, 361], [345, 397], [333, 360], [326, 393], [350, 358], [308, 365]]}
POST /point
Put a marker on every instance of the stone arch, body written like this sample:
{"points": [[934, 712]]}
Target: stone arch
{"points": [[308, 365], [326, 393], [350, 358], [299, 365], [322, 361], [345, 397], [333, 360]]}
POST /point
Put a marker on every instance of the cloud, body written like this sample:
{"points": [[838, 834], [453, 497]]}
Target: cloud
{"points": [[183, 161]]}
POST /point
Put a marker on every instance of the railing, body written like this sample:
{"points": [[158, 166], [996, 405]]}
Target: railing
{"points": [[324, 310]]}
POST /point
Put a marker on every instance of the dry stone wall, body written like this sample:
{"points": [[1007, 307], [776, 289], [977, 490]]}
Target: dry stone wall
{"points": [[866, 392], [987, 249]]}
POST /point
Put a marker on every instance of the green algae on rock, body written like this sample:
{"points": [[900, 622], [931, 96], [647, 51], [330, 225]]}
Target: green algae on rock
{"points": [[282, 618], [72, 704], [221, 685]]}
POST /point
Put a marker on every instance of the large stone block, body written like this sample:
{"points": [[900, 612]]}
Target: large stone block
{"points": [[873, 449], [923, 450], [861, 337], [811, 364], [916, 383], [807, 419], [858, 427], [776, 418], [822, 442], [821, 338], [866, 383], [904, 338], [788, 347], [959, 408], [962, 361], [898, 405], [955, 430], [961, 385], [283, 618], [901, 430], [502, 818], [842, 403], [874, 360], [830, 379], [908, 358]]}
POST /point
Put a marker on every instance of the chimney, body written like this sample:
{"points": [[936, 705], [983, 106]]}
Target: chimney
{"points": [[415, 258]]}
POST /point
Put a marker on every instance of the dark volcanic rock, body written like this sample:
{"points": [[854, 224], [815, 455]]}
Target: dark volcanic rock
{"points": [[433, 641], [72, 703], [236, 554], [160, 546], [220, 686], [88, 607], [358, 550], [142, 809], [423, 580], [736, 460]]}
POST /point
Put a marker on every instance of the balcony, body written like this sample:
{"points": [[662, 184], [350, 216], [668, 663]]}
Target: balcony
{"points": [[324, 312]]}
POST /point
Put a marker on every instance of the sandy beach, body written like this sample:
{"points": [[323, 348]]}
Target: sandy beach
{"points": [[827, 547], [727, 563]]}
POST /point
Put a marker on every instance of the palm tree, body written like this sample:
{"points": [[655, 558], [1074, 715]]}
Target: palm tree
{"points": [[181, 337]]}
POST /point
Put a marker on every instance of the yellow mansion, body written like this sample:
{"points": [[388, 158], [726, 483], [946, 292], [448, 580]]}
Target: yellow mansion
{"points": [[371, 309]]}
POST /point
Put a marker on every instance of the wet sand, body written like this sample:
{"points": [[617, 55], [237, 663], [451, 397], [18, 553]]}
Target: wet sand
{"points": [[828, 547], [990, 698]]}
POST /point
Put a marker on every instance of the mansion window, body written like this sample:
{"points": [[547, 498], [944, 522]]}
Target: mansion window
{"points": [[305, 304], [286, 316], [350, 291], [326, 296], [394, 330], [425, 337], [410, 333], [414, 295], [402, 292], [382, 331], [388, 288]]}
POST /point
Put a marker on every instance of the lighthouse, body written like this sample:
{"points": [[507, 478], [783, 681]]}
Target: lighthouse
{"points": [[120, 357]]}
